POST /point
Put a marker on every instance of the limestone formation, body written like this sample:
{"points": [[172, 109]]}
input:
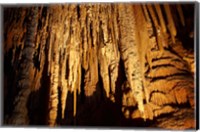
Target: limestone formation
{"points": [[99, 64]]}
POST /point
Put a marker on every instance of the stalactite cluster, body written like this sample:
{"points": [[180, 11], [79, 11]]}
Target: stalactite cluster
{"points": [[73, 57]]}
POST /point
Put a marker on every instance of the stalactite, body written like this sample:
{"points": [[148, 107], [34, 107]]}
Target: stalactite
{"points": [[104, 70], [15, 29], [54, 62], [64, 56], [143, 41], [53, 102], [180, 13], [14, 32], [127, 97], [115, 24], [171, 25], [74, 56], [41, 38], [160, 16], [156, 26], [83, 16], [84, 20], [146, 14], [114, 59], [49, 55], [74, 80], [64, 86], [90, 63], [153, 15], [129, 52], [20, 112], [151, 46], [105, 50], [161, 31]]}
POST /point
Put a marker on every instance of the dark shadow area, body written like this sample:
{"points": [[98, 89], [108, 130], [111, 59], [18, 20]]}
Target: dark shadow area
{"points": [[97, 110], [186, 33], [9, 90], [38, 101]]}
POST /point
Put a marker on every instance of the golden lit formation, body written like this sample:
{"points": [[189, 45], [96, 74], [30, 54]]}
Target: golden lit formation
{"points": [[113, 64]]}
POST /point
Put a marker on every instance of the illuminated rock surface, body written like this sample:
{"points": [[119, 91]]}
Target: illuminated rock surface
{"points": [[99, 64]]}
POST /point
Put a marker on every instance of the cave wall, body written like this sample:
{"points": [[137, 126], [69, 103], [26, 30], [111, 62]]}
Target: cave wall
{"points": [[99, 64]]}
